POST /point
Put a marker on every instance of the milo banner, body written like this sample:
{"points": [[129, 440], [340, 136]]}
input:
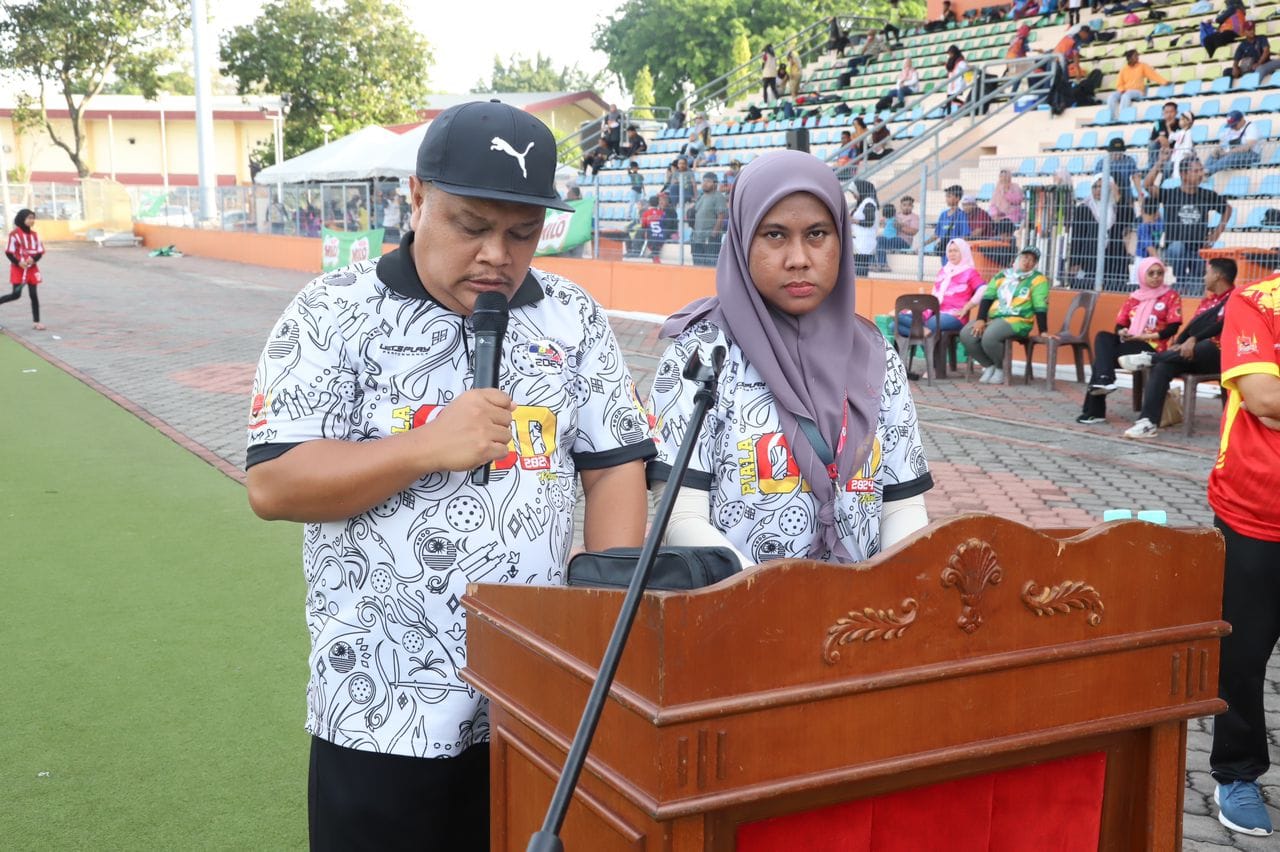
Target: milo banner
{"points": [[340, 248], [562, 231]]}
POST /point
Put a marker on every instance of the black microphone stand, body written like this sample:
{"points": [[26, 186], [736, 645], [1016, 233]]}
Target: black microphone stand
{"points": [[548, 838]]}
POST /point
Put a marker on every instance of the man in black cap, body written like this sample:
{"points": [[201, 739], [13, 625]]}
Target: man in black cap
{"points": [[366, 425], [1127, 178]]}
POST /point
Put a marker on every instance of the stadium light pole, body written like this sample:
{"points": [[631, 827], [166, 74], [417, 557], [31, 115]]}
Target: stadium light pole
{"points": [[207, 176]]}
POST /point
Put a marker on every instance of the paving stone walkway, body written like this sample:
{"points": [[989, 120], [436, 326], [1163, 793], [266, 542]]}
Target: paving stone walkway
{"points": [[175, 340]]}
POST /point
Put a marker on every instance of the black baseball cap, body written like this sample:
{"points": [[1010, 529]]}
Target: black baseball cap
{"points": [[1116, 144], [491, 150]]}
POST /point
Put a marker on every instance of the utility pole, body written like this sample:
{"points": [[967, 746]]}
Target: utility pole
{"points": [[207, 173]]}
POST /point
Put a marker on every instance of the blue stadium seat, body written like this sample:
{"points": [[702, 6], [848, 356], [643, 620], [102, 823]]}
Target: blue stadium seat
{"points": [[1209, 109], [1152, 112], [1270, 103], [1264, 127], [1163, 93], [1140, 137], [1088, 139], [1220, 85], [1128, 115], [1275, 157], [1065, 140], [1244, 103], [1075, 165], [1191, 88], [1103, 116], [1248, 82], [1115, 134], [1049, 166], [1199, 134], [1082, 190], [1254, 222], [1270, 187], [1237, 187], [1171, 182], [1027, 168], [986, 191]]}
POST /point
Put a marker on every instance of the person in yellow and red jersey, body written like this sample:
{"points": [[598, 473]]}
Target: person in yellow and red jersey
{"points": [[1243, 487]]}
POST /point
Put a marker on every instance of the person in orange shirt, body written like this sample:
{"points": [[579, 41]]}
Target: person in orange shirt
{"points": [[1131, 82], [1242, 492]]}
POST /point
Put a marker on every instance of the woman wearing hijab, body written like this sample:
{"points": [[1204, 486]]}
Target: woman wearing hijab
{"points": [[1006, 204], [813, 449], [956, 68], [1147, 321], [908, 84], [957, 288], [1092, 220], [768, 73], [24, 251], [865, 213]]}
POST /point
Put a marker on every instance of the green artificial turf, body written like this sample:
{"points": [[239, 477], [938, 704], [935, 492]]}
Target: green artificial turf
{"points": [[152, 671]]}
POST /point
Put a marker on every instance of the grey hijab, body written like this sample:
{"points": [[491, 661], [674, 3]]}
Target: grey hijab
{"points": [[819, 366]]}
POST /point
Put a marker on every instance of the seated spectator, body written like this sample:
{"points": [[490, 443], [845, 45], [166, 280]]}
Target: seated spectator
{"points": [[635, 144], [1196, 349], [952, 222], [1132, 81], [837, 41], [1030, 8], [596, 158], [847, 150], [947, 19], [1092, 220], [1147, 320], [958, 288], [892, 19], [872, 47], [1150, 232], [1230, 25], [731, 176], [981, 226], [709, 157], [1180, 143], [865, 213], [1237, 145], [633, 175], [1185, 209], [1006, 204], [1012, 299], [906, 225], [877, 145], [908, 84], [1253, 53], [956, 67], [1164, 127], [795, 73]]}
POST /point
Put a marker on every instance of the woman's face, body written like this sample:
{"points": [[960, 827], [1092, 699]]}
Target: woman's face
{"points": [[1097, 191], [29, 220], [1185, 121], [953, 253], [794, 256], [1005, 176], [1155, 276]]}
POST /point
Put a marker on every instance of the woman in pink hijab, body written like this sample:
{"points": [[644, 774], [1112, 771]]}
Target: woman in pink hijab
{"points": [[1147, 321], [955, 286], [1006, 204]]}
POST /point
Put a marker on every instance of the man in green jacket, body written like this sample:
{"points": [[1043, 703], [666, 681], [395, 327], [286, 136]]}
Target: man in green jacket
{"points": [[1012, 299]]}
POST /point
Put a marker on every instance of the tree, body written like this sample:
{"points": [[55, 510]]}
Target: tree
{"points": [[642, 94], [695, 38], [73, 48], [739, 57], [347, 64], [537, 75]]}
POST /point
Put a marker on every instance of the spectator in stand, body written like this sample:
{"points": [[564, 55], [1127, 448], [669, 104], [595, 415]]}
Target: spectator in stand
{"points": [[1185, 210], [636, 143], [1092, 220], [391, 218], [1253, 53], [795, 70], [1147, 321], [1012, 299], [952, 223], [596, 158], [1073, 12], [872, 47], [877, 146], [709, 157], [1132, 81], [731, 176], [1181, 143], [1196, 349], [708, 214], [1160, 133], [947, 19], [1125, 175], [892, 19], [693, 146], [1242, 492], [1068, 49], [908, 84], [681, 186], [906, 225], [633, 175], [981, 227], [1237, 145], [863, 220], [956, 67], [768, 73], [1150, 232], [837, 41], [1006, 204], [1230, 22], [659, 222], [635, 224], [612, 126], [1017, 51], [847, 150], [958, 288]]}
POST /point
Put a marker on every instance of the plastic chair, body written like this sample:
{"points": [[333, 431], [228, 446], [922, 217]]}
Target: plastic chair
{"points": [[1220, 85], [1243, 104], [1088, 139], [1074, 333], [1140, 137], [1209, 109], [916, 304]]}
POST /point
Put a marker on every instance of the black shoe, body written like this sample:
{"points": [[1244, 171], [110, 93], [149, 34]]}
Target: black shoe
{"points": [[1090, 420], [913, 376]]}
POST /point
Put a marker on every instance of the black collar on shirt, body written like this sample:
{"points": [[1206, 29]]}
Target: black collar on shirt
{"points": [[397, 271]]}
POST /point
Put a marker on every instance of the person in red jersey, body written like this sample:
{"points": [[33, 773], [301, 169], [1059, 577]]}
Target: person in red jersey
{"points": [[1242, 491], [24, 251]]}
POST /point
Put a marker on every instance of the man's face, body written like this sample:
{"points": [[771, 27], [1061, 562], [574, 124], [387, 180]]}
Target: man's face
{"points": [[1132, 58], [907, 204], [952, 200], [463, 247], [708, 185], [1192, 174], [968, 207], [682, 166], [1026, 262], [1213, 281], [1169, 113]]}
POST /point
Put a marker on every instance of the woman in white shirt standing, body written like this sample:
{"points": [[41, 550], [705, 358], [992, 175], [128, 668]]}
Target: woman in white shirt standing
{"points": [[866, 212], [956, 69], [768, 72], [813, 447]]}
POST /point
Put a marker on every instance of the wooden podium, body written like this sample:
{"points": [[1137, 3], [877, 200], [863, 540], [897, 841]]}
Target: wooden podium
{"points": [[976, 646]]}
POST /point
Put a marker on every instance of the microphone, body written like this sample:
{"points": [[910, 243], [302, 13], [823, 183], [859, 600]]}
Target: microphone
{"points": [[489, 319]]}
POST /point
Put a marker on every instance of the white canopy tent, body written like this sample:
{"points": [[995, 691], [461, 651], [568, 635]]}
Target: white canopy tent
{"points": [[358, 156]]}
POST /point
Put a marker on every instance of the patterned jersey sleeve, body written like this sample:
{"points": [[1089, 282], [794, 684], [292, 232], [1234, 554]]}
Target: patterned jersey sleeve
{"points": [[612, 426], [670, 409], [1248, 342], [904, 471], [305, 384]]}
